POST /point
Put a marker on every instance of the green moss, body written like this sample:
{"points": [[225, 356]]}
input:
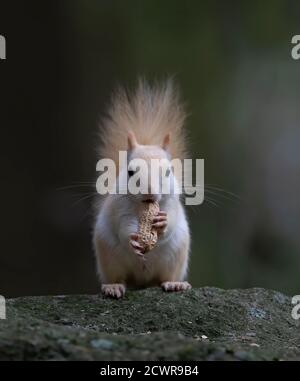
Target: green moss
{"points": [[252, 324]]}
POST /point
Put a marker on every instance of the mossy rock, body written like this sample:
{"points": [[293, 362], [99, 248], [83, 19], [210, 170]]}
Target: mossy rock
{"points": [[200, 324]]}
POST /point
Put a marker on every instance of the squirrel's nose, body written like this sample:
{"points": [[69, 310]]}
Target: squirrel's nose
{"points": [[151, 197]]}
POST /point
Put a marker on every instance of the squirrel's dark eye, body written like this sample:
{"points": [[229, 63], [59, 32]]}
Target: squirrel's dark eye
{"points": [[130, 173]]}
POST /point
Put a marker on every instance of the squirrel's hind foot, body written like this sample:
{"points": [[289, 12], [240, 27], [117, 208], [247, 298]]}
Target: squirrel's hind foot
{"points": [[114, 290], [175, 286]]}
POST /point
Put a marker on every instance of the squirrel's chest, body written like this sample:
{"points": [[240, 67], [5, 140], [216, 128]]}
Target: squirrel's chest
{"points": [[144, 272]]}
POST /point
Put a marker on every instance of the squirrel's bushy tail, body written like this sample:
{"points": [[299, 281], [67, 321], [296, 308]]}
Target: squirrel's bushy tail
{"points": [[151, 112]]}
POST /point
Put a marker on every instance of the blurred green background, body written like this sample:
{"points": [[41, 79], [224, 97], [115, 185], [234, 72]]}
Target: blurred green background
{"points": [[232, 61]]}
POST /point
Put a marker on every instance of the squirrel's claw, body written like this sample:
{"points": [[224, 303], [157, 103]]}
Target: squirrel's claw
{"points": [[175, 286], [160, 219], [160, 222], [114, 290], [135, 245]]}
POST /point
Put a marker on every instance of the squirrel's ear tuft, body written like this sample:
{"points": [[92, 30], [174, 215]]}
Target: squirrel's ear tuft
{"points": [[166, 142], [132, 142]]}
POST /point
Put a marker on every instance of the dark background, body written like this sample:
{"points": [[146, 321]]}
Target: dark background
{"points": [[233, 63]]}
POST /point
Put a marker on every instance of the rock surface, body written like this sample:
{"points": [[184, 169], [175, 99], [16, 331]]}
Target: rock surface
{"points": [[200, 324]]}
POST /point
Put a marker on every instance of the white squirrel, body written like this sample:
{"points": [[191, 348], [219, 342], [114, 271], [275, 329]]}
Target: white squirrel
{"points": [[148, 124]]}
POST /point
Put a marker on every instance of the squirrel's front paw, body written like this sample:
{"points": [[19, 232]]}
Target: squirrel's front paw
{"points": [[160, 222], [135, 245]]}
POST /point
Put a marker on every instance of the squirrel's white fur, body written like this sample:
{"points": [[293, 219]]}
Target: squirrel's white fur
{"points": [[150, 113], [148, 123]]}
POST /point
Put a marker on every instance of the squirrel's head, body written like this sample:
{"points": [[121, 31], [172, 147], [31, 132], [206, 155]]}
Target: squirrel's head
{"points": [[150, 170]]}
